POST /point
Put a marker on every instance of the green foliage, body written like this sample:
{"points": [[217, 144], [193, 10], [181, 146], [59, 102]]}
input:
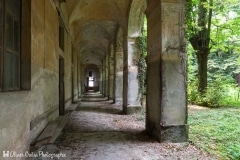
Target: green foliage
{"points": [[142, 74], [223, 25], [232, 98], [216, 131], [220, 92], [222, 89], [224, 63], [194, 97], [192, 64], [141, 41], [213, 95]]}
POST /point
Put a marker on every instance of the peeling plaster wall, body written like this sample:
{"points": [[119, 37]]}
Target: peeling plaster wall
{"points": [[16, 110], [44, 63], [22, 111]]}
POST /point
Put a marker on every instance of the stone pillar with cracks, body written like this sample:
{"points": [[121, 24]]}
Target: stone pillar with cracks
{"points": [[166, 108], [111, 73], [133, 92], [106, 76], [119, 68]]}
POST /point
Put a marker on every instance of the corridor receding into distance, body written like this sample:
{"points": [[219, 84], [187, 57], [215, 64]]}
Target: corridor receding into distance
{"points": [[71, 81]]}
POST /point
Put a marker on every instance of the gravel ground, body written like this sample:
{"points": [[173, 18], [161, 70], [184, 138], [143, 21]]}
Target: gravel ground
{"points": [[98, 131]]}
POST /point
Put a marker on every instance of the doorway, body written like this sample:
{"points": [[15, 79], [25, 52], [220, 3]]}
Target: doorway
{"points": [[61, 87]]}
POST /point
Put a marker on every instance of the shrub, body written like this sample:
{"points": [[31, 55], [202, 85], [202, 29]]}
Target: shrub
{"points": [[193, 94], [215, 92], [213, 95]]}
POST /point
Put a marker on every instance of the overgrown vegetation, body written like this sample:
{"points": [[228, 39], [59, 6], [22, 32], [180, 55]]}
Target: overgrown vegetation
{"points": [[218, 85], [214, 75], [213, 30], [223, 82], [216, 131], [141, 41]]}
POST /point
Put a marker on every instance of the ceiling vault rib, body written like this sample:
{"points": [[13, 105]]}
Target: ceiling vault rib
{"points": [[94, 24]]}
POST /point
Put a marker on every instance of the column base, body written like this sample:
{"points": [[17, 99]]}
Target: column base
{"points": [[119, 101], [172, 134], [133, 109], [111, 98]]}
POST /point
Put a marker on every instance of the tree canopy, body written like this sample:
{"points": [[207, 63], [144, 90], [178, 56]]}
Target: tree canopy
{"points": [[213, 27]]}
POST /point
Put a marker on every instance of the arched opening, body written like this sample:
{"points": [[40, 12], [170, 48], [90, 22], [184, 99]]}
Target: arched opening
{"points": [[135, 54], [91, 78]]}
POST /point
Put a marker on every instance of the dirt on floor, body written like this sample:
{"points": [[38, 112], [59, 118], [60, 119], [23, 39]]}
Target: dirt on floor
{"points": [[98, 131], [196, 108]]}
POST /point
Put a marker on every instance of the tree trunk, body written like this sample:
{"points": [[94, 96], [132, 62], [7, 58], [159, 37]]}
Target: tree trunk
{"points": [[202, 58], [200, 43]]}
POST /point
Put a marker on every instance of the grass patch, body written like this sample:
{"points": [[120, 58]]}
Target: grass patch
{"points": [[230, 101], [217, 131]]}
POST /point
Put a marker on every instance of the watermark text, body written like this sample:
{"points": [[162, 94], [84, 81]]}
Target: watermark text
{"points": [[14, 154]]}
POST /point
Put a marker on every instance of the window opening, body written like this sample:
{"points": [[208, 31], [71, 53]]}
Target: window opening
{"points": [[91, 82], [10, 19]]}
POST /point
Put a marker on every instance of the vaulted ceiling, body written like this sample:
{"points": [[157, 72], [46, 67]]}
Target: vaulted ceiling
{"points": [[94, 25]]}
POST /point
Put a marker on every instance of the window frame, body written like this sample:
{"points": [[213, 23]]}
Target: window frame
{"points": [[12, 52]]}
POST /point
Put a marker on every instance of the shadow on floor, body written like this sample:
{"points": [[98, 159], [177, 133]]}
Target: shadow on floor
{"points": [[99, 109]]}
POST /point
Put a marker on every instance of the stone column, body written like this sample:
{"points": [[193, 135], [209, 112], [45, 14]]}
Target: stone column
{"points": [[111, 73], [103, 80], [82, 75], [125, 73], [79, 82], [133, 92], [106, 76], [100, 80], [166, 117], [119, 68]]}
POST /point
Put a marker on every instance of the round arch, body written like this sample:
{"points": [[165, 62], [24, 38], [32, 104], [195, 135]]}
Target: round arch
{"points": [[136, 17]]}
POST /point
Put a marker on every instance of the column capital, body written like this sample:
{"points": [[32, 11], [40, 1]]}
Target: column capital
{"points": [[151, 6]]}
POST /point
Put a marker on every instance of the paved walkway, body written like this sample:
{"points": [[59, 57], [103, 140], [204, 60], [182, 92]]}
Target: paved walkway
{"points": [[98, 131]]}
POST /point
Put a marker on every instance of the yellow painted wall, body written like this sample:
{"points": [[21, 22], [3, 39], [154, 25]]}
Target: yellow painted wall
{"points": [[19, 109]]}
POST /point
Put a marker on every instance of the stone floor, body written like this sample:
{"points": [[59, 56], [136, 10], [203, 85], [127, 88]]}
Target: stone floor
{"points": [[97, 130]]}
